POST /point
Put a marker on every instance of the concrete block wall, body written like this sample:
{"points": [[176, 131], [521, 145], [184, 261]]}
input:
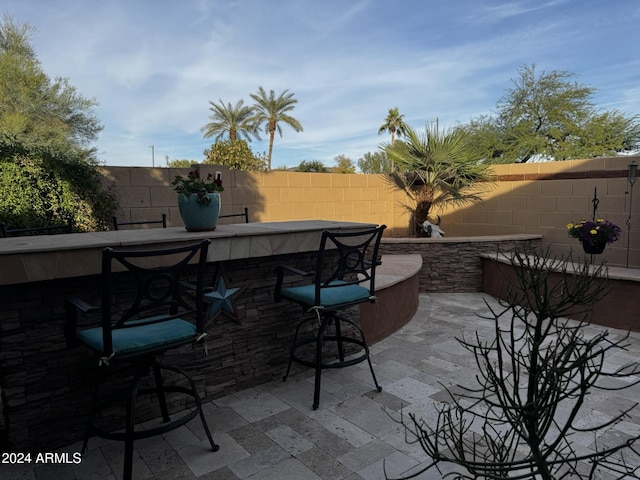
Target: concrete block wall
{"points": [[542, 198], [538, 198], [284, 196], [146, 193]]}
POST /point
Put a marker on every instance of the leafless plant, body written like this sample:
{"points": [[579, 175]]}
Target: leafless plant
{"points": [[534, 377]]}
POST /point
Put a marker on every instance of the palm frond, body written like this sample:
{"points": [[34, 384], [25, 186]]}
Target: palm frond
{"points": [[438, 168]]}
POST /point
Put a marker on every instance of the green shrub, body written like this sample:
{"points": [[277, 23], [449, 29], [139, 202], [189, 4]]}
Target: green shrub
{"points": [[41, 192]]}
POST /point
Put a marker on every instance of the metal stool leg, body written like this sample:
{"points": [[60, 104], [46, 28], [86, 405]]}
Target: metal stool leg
{"points": [[130, 423], [318, 361], [196, 398], [291, 353], [292, 350], [336, 322], [92, 416], [161, 396], [366, 350], [373, 374]]}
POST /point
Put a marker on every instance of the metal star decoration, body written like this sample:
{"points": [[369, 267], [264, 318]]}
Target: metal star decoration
{"points": [[221, 298]]}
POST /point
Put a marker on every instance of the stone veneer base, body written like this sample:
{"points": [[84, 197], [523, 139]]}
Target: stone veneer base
{"points": [[46, 387], [618, 309]]}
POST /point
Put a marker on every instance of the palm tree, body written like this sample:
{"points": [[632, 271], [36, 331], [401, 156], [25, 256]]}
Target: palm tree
{"points": [[272, 111], [234, 120], [437, 169], [394, 123]]}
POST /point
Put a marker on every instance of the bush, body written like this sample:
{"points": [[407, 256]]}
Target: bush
{"points": [[40, 192], [235, 154]]}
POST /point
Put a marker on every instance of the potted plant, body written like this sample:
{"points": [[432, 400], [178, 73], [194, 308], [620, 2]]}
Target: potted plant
{"points": [[198, 200], [594, 235]]}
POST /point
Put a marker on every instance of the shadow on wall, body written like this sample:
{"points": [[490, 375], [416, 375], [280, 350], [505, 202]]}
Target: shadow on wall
{"points": [[289, 196], [542, 198], [537, 198], [241, 190], [146, 193]]}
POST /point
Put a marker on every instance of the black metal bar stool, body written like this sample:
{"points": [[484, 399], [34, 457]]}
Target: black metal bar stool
{"points": [[135, 336], [338, 284]]}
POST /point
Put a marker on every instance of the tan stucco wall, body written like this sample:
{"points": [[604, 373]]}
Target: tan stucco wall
{"points": [[544, 197], [527, 198], [146, 193]]}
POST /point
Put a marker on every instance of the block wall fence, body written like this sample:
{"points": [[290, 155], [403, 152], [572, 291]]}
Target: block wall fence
{"points": [[536, 198]]}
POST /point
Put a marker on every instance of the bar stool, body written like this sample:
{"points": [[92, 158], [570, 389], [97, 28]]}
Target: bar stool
{"points": [[344, 277], [136, 335]]}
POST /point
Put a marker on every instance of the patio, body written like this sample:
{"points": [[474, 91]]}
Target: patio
{"points": [[271, 432]]}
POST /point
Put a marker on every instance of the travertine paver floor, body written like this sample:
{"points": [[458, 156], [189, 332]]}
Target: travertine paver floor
{"points": [[271, 432]]}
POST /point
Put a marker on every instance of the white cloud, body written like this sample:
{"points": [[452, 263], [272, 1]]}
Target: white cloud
{"points": [[153, 66], [508, 10]]}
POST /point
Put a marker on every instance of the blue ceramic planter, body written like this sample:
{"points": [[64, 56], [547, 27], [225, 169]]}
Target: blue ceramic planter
{"points": [[197, 217]]}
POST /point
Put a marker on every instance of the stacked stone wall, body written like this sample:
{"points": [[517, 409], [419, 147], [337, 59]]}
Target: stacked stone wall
{"points": [[46, 387], [452, 266]]}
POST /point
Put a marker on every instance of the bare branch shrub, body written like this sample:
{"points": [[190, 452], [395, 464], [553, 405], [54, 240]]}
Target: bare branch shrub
{"points": [[522, 419]]}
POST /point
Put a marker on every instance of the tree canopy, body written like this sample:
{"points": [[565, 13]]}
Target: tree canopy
{"points": [[179, 162], [273, 111], [375, 162], [235, 154], [230, 119], [47, 165], [343, 165], [551, 116], [34, 111], [268, 111], [436, 169], [394, 124], [314, 166]]}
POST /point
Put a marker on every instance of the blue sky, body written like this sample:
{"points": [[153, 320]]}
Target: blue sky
{"points": [[154, 65]]}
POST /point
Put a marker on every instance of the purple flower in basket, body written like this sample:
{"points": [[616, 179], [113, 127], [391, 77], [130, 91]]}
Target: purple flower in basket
{"points": [[593, 233]]}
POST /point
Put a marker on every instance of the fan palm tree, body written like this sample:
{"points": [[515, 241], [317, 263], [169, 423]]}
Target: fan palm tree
{"points": [[234, 120], [271, 111], [394, 124], [437, 169]]}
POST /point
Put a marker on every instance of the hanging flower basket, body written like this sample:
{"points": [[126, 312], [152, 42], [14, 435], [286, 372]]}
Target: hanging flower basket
{"points": [[595, 248], [594, 235]]}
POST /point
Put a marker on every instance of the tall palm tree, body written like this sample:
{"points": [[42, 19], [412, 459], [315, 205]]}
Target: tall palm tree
{"points": [[394, 123], [437, 169], [271, 111], [234, 120]]}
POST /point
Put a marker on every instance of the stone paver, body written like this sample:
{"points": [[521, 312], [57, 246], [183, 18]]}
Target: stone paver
{"points": [[271, 431]]}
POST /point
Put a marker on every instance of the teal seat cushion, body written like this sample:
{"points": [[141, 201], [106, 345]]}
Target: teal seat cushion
{"points": [[329, 297], [140, 339]]}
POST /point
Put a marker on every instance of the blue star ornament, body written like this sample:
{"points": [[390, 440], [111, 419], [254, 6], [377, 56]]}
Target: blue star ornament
{"points": [[220, 300]]}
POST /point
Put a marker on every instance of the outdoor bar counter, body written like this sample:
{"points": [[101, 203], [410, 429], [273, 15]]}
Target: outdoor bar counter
{"points": [[48, 257], [46, 385]]}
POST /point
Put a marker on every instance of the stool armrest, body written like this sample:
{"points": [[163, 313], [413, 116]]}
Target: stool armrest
{"points": [[72, 306], [192, 287], [281, 270]]}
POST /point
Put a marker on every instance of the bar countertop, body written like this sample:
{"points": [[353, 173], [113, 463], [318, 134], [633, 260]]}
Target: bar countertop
{"points": [[46, 257]]}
